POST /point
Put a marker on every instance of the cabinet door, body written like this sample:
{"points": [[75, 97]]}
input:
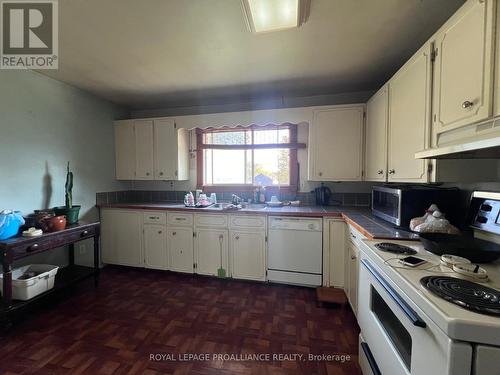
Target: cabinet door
{"points": [[125, 150], [462, 83], [248, 251], [165, 150], [376, 136], [122, 237], [180, 249], [155, 246], [353, 278], [336, 144], [144, 150], [409, 117], [211, 251], [347, 270]]}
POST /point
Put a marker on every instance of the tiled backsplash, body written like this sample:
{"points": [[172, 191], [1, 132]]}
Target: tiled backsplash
{"points": [[148, 196]]}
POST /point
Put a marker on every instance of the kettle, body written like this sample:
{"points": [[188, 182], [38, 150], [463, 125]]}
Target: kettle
{"points": [[322, 194]]}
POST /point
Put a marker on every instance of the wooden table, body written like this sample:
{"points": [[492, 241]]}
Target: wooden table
{"points": [[21, 247]]}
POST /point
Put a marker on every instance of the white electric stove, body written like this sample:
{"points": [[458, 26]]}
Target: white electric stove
{"points": [[428, 319]]}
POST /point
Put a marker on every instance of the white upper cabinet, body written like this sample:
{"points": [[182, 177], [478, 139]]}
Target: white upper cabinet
{"points": [[144, 154], [165, 146], [376, 136], [336, 144], [125, 150], [409, 118], [463, 67], [151, 150]]}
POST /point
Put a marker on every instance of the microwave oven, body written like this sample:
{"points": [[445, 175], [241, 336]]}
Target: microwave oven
{"points": [[399, 204]]}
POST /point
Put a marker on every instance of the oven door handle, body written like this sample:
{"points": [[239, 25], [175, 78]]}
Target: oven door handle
{"points": [[370, 358], [409, 312]]}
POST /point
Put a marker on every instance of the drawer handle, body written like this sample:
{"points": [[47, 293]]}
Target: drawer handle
{"points": [[180, 218], [380, 171], [370, 358], [33, 247], [154, 218], [392, 171], [84, 233]]}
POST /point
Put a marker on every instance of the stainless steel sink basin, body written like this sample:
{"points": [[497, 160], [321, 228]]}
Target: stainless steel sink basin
{"points": [[222, 206], [253, 206]]}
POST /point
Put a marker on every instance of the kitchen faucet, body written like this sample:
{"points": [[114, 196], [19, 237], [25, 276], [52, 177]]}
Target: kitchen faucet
{"points": [[236, 200]]}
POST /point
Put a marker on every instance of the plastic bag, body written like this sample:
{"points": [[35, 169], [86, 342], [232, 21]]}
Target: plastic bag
{"points": [[433, 222], [10, 222]]}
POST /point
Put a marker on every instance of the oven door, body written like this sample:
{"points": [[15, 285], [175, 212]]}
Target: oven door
{"points": [[386, 204], [402, 340]]}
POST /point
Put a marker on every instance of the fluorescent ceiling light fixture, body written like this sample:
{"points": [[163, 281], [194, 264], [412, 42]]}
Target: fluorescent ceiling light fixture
{"points": [[273, 15]]}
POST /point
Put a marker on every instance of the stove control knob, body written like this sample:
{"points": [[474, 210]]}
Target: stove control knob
{"points": [[482, 219], [486, 208]]}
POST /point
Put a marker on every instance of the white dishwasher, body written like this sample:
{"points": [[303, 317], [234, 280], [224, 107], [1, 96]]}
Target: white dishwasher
{"points": [[295, 253]]}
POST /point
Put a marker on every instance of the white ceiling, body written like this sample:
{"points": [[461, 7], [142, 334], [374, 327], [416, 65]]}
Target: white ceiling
{"points": [[161, 53]]}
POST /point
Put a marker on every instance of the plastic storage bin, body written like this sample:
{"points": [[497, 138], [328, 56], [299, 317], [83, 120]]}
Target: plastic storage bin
{"points": [[28, 288]]}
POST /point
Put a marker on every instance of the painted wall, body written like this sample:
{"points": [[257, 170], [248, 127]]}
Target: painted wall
{"points": [[43, 124]]}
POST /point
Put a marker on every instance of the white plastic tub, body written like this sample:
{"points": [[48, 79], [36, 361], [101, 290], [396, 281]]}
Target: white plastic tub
{"points": [[26, 289]]}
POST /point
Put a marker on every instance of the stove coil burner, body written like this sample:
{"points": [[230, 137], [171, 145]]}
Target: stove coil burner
{"points": [[464, 293], [395, 248]]}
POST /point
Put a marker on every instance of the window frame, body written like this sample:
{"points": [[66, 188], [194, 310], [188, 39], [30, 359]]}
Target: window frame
{"points": [[293, 146]]}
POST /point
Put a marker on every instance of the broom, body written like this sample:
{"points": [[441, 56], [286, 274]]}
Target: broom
{"points": [[221, 272]]}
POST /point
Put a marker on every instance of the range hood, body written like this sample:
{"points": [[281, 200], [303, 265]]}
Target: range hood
{"points": [[479, 146]]}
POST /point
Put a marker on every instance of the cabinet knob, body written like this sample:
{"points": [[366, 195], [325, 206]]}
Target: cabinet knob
{"points": [[320, 174], [353, 257], [221, 237], [33, 247], [392, 171], [237, 237], [161, 173], [467, 104], [159, 232], [380, 171], [174, 233], [147, 173], [84, 233]]}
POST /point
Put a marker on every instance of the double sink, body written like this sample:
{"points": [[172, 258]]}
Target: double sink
{"points": [[232, 207]]}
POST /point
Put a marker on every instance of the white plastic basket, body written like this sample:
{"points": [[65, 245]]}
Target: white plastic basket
{"points": [[26, 289]]}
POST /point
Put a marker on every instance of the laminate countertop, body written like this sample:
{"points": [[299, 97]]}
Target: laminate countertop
{"points": [[361, 218]]}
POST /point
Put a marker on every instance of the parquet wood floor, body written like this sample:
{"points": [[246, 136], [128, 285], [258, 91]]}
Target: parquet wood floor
{"points": [[135, 313]]}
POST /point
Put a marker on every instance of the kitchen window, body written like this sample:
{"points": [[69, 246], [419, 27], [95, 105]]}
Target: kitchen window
{"points": [[245, 157]]}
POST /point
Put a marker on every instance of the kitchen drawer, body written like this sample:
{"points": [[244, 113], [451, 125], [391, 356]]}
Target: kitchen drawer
{"points": [[247, 222], [179, 219], [37, 245], [210, 220], [354, 235], [155, 217]]}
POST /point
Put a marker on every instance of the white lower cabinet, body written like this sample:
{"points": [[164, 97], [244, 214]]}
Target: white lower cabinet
{"points": [[180, 249], [248, 254], [211, 250], [353, 277], [155, 246], [122, 237]]}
